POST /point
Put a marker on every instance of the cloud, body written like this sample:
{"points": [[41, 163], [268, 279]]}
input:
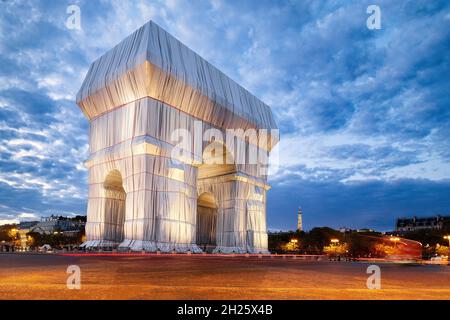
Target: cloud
{"points": [[360, 111], [369, 204], [26, 215]]}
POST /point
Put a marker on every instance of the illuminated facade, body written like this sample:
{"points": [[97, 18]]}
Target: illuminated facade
{"points": [[419, 223], [163, 174]]}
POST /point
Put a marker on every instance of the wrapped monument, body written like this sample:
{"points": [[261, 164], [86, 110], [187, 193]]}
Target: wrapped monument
{"points": [[178, 151]]}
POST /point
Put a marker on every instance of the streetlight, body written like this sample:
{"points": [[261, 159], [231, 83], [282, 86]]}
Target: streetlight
{"points": [[293, 244], [13, 233], [335, 242], [448, 238], [395, 240]]}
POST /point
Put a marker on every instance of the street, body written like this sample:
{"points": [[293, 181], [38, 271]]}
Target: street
{"points": [[43, 276]]}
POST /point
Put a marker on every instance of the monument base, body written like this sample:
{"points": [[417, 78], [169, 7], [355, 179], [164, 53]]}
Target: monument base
{"points": [[152, 246], [99, 244]]}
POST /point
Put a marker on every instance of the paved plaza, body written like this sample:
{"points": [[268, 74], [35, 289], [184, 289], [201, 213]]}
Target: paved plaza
{"points": [[43, 276]]}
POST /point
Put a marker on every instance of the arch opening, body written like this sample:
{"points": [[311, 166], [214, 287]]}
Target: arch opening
{"points": [[206, 222], [216, 161], [114, 207]]}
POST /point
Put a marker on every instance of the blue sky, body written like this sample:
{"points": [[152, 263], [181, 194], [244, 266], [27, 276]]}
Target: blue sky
{"points": [[364, 114]]}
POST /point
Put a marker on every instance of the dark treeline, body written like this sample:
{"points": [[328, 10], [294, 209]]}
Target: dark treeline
{"points": [[314, 241], [358, 244]]}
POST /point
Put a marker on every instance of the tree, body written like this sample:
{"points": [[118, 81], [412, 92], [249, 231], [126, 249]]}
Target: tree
{"points": [[278, 240], [6, 233], [426, 236], [443, 251], [315, 240], [13, 234], [336, 249], [80, 218], [54, 240], [384, 250], [292, 246], [361, 245]]}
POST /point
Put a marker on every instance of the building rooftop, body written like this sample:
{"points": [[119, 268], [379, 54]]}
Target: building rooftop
{"points": [[152, 63]]}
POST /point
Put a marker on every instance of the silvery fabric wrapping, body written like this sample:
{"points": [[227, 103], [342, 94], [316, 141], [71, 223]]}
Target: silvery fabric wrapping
{"points": [[141, 197]]}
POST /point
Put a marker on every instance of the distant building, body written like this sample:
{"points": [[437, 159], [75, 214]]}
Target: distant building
{"points": [[70, 233], [7, 246], [365, 230], [299, 220], [27, 224], [345, 230], [420, 223], [52, 224]]}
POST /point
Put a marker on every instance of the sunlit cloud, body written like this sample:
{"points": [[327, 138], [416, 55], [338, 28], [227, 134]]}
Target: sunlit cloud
{"points": [[357, 109]]}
